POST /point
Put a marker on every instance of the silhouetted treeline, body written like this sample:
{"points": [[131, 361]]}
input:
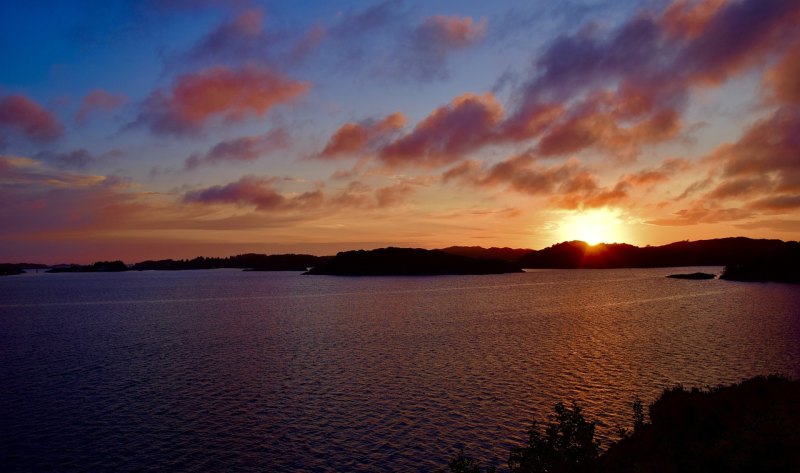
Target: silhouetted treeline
{"points": [[753, 426], [98, 267], [253, 261], [508, 254], [8, 269], [746, 259], [778, 265], [717, 252], [409, 262]]}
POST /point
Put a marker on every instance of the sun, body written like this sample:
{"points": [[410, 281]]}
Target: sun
{"points": [[592, 226]]}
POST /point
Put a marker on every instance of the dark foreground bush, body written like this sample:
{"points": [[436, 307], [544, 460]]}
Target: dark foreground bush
{"points": [[567, 445], [753, 426]]}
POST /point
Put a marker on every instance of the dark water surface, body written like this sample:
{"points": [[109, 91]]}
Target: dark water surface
{"points": [[226, 370]]}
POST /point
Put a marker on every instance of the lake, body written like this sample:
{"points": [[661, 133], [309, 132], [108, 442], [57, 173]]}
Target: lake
{"points": [[224, 370]]}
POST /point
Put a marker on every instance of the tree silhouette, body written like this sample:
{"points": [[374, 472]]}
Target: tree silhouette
{"points": [[464, 464], [567, 445]]}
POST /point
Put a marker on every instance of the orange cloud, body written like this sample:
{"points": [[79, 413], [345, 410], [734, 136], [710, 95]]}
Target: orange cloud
{"points": [[245, 148], [353, 138], [767, 148], [357, 195], [40, 199], [568, 185], [759, 173], [233, 37], [783, 80], [250, 190], [598, 122], [452, 31], [737, 36], [468, 122], [592, 197], [703, 212], [426, 53], [777, 203], [687, 19], [649, 177], [530, 121], [743, 187], [612, 92], [21, 115], [99, 100], [393, 195], [78, 158], [218, 92], [305, 45], [763, 162], [654, 62], [261, 193]]}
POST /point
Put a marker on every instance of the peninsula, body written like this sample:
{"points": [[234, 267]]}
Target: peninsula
{"points": [[745, 259], [409, 262]]}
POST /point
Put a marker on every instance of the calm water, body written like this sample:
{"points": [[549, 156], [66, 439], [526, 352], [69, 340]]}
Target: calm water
{"points": [[226, 370]]}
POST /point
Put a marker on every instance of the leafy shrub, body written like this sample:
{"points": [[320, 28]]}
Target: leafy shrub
{"points": [[567, 445]]}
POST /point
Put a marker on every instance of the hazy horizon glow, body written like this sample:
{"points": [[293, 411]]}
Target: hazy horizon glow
{"points": [[155, 129]]}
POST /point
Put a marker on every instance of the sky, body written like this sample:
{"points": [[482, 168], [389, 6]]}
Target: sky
{"points": [[156, 129]]}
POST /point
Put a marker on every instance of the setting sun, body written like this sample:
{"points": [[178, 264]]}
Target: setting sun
{"points": [[592, 226]]}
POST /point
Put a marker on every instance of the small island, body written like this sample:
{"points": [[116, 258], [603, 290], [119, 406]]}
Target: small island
{"points": [[695, 276], [409, 262]]}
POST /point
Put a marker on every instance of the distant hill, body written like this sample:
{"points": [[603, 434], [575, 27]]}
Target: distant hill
{"points": [[409, 262], [251, 261], [745, 259], [98, 267], [10, 270], [289, 262], [508, 254], [716, 252]]}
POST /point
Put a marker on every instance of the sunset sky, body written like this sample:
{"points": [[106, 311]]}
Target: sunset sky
{"points": [[174, 128]]}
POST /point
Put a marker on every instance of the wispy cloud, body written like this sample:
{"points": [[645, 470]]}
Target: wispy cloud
{"points": [[352, 139], [98, 100], [226, 94], [242, 149], [21, 116], [425, 53]]}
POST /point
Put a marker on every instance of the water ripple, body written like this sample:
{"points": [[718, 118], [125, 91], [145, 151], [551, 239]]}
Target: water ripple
{"points": [[233, 371]]}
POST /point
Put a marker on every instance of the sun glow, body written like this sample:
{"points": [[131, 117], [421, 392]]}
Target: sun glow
{"points": [[592, 226]]}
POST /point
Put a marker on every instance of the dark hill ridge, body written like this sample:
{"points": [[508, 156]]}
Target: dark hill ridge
{"points": [[409, 262], [250, 261], [10, 269], [746, 259], [508, 254], [98, 267], [779, 265], [716, 252]]}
